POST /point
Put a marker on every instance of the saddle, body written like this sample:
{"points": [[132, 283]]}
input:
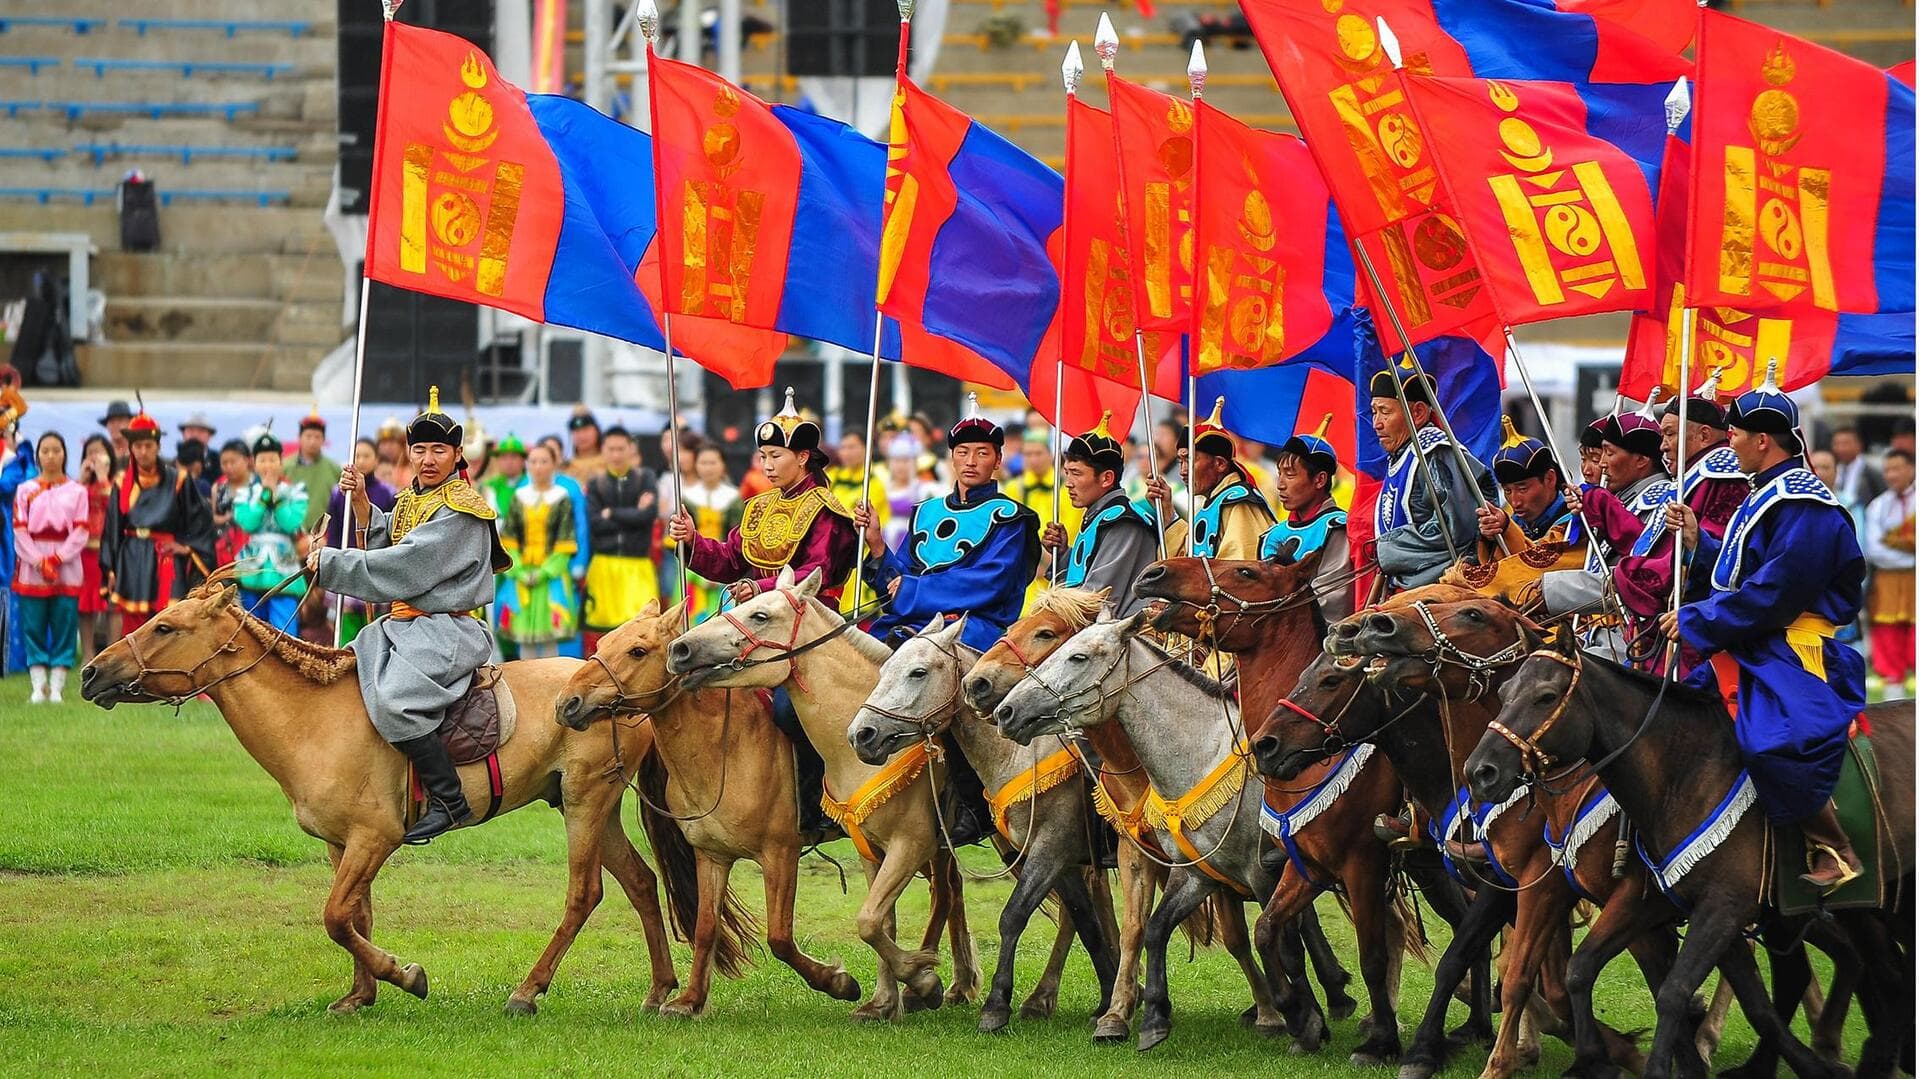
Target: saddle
{"points": [[1856, 798], [481, 722]]}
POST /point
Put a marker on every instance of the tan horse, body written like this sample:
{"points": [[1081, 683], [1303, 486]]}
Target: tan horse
{"points": [[730, 785], [296, 708], [1058, 614], [786, 636]]}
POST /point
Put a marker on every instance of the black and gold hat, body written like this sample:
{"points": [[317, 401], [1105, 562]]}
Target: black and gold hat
{"points": [[1521, 458], [1703, 406], [1418, 385], [268, 442], [1098, 447], [973, 427], [434, 426], [789, 430]]}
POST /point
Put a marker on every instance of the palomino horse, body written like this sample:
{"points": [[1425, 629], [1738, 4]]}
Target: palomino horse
{"points": [[1185, 729], [786, 636], [349, 787], [730, 787], [1037, 797], [1267, 616], [1058, 614], [1667, 754]]}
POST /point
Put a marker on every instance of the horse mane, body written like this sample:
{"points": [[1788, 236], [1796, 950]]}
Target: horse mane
{"points": [[863, 642], [317, 663], [1077, 607], [1191, 675], [1679, 692]]}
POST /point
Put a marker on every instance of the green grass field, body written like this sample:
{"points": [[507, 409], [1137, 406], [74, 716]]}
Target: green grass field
{"points": [[160, 915]]}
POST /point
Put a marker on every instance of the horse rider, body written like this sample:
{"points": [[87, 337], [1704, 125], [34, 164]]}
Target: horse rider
{"points": [[1787, 572], [1410, 544], [799, 523], [433, 558], [1634, 486], [1315, 524], [1229, 513], [1535, 494], [1712, 485], [970, 552], [1118, 539], [156, 516]]}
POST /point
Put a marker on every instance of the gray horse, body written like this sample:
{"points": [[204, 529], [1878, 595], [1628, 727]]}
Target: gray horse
{"points": [[1039, 795], [1185, 727]]}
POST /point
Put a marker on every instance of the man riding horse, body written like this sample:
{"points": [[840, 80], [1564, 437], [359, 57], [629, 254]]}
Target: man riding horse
{"points": [[1117, 538], [798, 524], [1315, 523], [1412, 543], [433, 558], [970, 552], [1229, 515], [1787, 572]]}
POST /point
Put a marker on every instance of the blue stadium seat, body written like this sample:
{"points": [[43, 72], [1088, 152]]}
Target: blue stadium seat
{"points": [[15, 108], [230, 27], [100, 151], [153, 110], [261, 198], [79, 26], [44, 195], [47, 153], [33, 64], [186, 68]]}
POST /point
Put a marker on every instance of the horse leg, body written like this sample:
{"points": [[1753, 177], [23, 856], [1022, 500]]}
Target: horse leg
{"points": [[349, 906], [1239, 944], [1886, 994], [1737, 966], [365, 986], [1079, 911], [1712, 939], [1277, 938], [917, 970], [1046, 992], [1431, 1046], [710, 872], [584, 889], [1791, 976], [1186, 890], [1031, 887], [1539, 920], [966, 959], [1377, 931], [1334, 978], [1137, 879], [1829, 1029], [642, 889], [780, 873]]}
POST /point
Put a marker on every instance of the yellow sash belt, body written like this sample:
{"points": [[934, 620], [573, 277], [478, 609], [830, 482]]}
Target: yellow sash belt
{"points": [[1807, 635], [1031, 781], [898, 774], [1194, 808]]}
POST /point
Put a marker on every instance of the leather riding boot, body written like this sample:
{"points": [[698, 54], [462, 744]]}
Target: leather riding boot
{"points": [[810, 772], [1398, 831], [965, 798], [1831, 862], [446, 803]]}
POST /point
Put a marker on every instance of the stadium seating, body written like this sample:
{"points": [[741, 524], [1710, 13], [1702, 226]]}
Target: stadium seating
{"points": [[230, 27]]}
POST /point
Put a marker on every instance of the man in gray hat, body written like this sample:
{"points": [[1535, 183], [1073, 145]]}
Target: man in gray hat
{"points": [[198, 428], [119, 414]]}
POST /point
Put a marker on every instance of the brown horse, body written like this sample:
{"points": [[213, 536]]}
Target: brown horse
{"points": [[1669, 756], [1266, 615], [348, 786], [1058, 614]]}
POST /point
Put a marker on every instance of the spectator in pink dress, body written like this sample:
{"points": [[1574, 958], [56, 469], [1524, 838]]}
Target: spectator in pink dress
{"points": [[50, 533]]}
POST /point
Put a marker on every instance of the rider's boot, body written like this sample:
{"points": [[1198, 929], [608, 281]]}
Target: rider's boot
{"points": [[964, 809], [446, 802], [1831, 862], [810, 772], [1398, 831]]}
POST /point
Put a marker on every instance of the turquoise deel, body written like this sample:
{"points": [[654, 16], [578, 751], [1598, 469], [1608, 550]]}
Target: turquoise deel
{"points": [[943, 534]]}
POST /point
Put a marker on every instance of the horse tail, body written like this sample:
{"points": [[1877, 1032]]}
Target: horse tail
{"points": [[1202, 926], [1404, 921], [737, 932]]}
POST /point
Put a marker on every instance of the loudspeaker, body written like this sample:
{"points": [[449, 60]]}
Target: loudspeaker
{"points": [[843, 37], [415, 341], [359, 42]]}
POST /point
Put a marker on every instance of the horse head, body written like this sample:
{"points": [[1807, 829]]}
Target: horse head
{"points": [[1227, 601], [1058, 613], [752, 645], [1071, 688], [1333, 706], [917, 695], [1537, 725], [1439, 639], [627, 674], [173, 656]]}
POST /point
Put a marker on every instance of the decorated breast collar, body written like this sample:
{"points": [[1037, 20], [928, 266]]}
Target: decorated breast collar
{"points": [[1207, 519], [772, 524], [412, 508], [1793, 485], [1392, 510], [944, 533], [1081, 556], [1720, 464], [1311, 534]]}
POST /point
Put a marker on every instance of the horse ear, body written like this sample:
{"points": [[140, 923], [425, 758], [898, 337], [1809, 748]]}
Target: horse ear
{"points": [[1105, 615], [222, 599], [952, 633], [934, 625], [785, 579], [1136, 622], [808, 587], [1310, 565], [651, 610]]}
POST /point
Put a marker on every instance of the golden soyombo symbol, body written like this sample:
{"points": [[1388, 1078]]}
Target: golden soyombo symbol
{"points": [[458, 206], [1791, 223]]}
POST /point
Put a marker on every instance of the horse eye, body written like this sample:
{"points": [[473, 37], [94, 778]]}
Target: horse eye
{"points": [[759, 616], [1077, 657], [1474, 616], [637, 652], [1043, 635], [162, 627], [1548, 698], [1246, 573], [917, 672]]}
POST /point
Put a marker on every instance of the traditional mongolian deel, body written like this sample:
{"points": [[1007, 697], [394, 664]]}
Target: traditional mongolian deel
{"points": [[971, 554], [1115, 544]]}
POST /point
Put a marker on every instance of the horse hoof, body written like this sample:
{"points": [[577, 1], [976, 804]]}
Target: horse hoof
{"points": [[1038, 1007], [1416, 1071], [680, 1009], [1270, 1030], [1250, 1016], [1152, 1036], [518, 1007], [993, 1020], [1467, 1034], [1341, 1007], [925, 986], [1110, 1032], [347, 1005], [413, 978], [960, 994], [873, 1011], [1366, 1058], [843, 986]]}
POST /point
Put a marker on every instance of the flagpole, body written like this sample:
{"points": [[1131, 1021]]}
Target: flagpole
{"points": [[1106, 45], [647, 17], [1197, 83], [348, 522], [905, 8], [1678, 105], [1071, 69]]}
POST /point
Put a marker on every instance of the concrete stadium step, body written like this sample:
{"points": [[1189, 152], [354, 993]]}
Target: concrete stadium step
{"points": [[197, 45], [300, 178], [177, 365], [185, 228], [310, 326], [144, 319], [256, 275]]}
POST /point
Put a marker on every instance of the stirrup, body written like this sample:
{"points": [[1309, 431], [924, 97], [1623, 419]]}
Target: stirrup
{"points": [[1848, 874]]}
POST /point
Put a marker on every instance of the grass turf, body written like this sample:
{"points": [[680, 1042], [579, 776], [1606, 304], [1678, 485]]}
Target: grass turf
{"points": [[160, 915]]}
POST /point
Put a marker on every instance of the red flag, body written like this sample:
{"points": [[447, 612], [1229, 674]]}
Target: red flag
{"points": [[1732, 344], [1791, 141], [1903, 72], [743, 355], [1153, 137], [452, 159], [1560, 219], [1259, 234], [1096, 296]]}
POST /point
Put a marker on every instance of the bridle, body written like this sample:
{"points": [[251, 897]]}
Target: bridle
{"points": [[928, 724], [649, 701], [783, 651], [192, 674], [664, 695], [1209, 613], [1533, 759], [1336, 742], [1479, 668]]}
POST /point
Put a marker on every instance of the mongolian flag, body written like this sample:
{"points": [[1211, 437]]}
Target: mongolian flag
{"points": [[1803, 185], [1902, 73], [1553, 186], [1259, 239], [1153, 136]]}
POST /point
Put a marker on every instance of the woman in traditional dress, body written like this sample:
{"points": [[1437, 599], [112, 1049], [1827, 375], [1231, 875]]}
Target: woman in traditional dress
{"points": [[271, 510], [49, 534], [356, 613], [96, 475], [716, 506], [537, 609]]}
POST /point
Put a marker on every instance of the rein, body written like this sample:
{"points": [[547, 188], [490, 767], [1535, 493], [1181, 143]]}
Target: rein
{"points": [[782, 652], [1478, 667], [191, 674], [625, 703]]}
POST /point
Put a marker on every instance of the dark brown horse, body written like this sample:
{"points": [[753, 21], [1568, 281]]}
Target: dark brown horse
{"points": [[1265, 615], [1668, 755]]}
